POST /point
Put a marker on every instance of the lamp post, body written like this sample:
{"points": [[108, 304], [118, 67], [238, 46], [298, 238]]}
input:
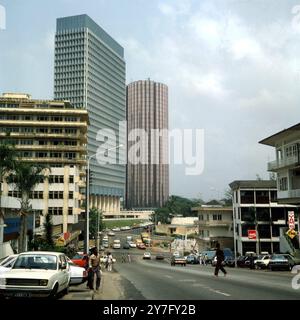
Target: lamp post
{"points": [[87, 217]]}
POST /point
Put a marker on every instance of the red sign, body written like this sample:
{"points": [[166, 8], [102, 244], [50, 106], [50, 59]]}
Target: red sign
{"points": [[291, 220], [67, 235], [252, 234]]}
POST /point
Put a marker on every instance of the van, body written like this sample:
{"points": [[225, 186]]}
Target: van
{"points": [[117, 244]]}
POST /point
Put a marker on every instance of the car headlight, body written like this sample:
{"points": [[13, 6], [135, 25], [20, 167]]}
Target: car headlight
{"points": [[43, 282], [2, 281]]}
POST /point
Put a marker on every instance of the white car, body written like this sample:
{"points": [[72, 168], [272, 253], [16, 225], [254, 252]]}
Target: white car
{"points": [[262, 262], [36, 274], [117, 244], [116, 229], [125, 228], [147, 255], [78, 274], [132, 244], [111, 234]]}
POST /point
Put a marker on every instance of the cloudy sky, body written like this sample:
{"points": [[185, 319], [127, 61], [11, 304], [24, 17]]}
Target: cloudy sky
{"points": [[232, 67]]}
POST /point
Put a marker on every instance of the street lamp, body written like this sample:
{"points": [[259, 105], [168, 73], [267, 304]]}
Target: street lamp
{"points": [[87, 226]]}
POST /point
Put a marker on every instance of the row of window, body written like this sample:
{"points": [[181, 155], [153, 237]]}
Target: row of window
{"points": [[57, 155], [259, 197], [40, 194], [60, 179], [215, 217], [58, 211], [38, 130], [59, 195], [38, 118]]}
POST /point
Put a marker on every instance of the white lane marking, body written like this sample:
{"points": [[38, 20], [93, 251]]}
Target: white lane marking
{"points": [[167, 276], [220, 292], [187, 280]]}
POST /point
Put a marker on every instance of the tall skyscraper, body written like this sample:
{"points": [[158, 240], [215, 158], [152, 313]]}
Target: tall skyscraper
{"points": [[90, 72], [147, 184]]}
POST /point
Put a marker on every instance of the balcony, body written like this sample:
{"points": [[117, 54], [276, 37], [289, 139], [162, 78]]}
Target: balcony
{"points": [[51, 148], [293, 196], [214, 223], [281, 163]]}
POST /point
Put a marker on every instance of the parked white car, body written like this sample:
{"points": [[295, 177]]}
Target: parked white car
{"points": [[36, 274], [263, 262], [78, 274]]}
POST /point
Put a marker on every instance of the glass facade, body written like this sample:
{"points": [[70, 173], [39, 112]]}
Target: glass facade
{"points": [[90, 72]]}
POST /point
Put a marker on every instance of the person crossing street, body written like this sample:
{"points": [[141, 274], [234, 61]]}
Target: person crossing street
{"points": [[220, 259]]}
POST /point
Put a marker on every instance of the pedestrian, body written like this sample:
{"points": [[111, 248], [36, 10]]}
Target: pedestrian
{"points": [[220, 259], [109, 261], [123, 258], [205, 259], [95, 267], [129, 258]]}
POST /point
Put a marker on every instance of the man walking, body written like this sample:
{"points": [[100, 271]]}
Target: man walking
{"points": [[220, 259], [95, 269]]}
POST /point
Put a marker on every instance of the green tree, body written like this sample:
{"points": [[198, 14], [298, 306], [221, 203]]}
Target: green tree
{"points": [[96, 217], [228, 197], [24, 179], [48, 227]]}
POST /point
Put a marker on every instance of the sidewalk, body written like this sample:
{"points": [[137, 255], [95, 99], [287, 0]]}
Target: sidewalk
{"points": [[110, 289]]}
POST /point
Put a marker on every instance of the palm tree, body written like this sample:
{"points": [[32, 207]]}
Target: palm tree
{"points": [[24, 179]]}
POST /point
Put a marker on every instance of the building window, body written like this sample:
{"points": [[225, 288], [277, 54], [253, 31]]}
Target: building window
{"points": [[56, 195], [71, 195], [247, 197], [283, 184], [217, 217], [273, 196], [71, 179], [262, 196], [56, 211], [70, 211], [56, 179]]}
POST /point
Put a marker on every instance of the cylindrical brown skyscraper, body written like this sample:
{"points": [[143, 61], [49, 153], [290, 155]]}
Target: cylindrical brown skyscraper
{"points": [[147, 184]]}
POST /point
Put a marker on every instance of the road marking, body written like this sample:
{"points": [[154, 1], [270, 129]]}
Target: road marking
{"points": [[167, 276], [187, 280], [220, 292]]}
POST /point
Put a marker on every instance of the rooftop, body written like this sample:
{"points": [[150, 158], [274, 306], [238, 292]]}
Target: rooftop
{"points": [[253, 184], [273, 139], [84, 21]]}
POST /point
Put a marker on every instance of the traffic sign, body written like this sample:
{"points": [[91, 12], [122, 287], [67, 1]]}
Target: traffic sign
{"points": [[291, 233], [291, 220], [252, 234]]}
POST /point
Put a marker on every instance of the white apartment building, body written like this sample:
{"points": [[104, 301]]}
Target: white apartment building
{"points": [[255, 207], [215, 225], [287, 163]]}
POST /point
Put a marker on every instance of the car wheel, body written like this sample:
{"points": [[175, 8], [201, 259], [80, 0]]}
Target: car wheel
{"points": [[53, 294]]}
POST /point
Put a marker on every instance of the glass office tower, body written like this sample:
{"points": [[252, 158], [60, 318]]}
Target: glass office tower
{"points": [[90, 72]]}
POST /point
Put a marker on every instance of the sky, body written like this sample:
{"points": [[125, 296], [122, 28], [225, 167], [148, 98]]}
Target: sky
{"points": [[232, 68]]}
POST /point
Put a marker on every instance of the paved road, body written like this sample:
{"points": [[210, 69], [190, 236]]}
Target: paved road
{"points": [[157, 280]]}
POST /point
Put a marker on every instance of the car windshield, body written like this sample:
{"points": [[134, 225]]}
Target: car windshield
{"points": [[211, 254], [278, 257], [35, 261]]}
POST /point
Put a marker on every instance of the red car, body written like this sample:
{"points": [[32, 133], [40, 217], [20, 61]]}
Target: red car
{"points": [[80, 259], [141, 246]]}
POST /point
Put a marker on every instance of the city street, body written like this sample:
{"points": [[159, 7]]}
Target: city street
{"points": [[158, 280]]}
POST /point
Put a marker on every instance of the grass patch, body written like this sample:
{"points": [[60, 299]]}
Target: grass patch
{"points": [[121, 223]]}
